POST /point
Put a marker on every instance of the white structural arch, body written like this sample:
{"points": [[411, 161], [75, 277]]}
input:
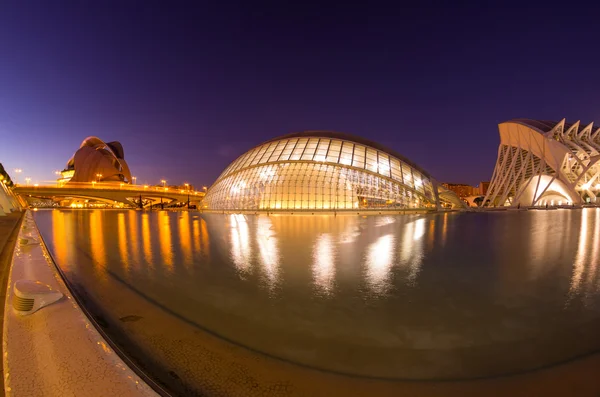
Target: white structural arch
{"points": [[545, 163]]}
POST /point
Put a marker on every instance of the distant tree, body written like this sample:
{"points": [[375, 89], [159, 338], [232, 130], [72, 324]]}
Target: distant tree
{"points": [[3, 172]]}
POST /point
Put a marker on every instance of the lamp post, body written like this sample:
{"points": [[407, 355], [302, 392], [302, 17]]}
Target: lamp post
{"points": [[204, 188], [133, 178], [187, 186], [98, 176], [163, 182], [17, 171], [27, 180]]}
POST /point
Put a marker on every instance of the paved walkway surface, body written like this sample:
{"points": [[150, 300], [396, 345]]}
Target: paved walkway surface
{"points": [[8, 238]]}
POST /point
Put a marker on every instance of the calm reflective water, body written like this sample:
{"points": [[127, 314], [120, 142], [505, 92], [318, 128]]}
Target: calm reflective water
{"points": [[441, 296]]}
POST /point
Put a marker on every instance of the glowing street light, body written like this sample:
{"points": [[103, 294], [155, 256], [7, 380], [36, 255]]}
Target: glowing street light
{"points": [[98, 176], [145, 186], [163, 182], [93, 184], [17, 171], [36, 184], [187, 186], [27, 180], [121, 185], [204, 187], [134, 178]]}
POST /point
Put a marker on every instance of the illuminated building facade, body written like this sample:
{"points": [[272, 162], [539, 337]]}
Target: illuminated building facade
{"points": [[482, 188], [461, 190], [97, 161], [321, 170], [545, 163]]}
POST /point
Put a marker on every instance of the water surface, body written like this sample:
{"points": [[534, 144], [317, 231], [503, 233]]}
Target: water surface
{"points": [[426, 297]]}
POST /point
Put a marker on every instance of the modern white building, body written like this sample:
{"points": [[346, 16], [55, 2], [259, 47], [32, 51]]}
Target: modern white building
{"points": [[545, 163], [323, 170]]}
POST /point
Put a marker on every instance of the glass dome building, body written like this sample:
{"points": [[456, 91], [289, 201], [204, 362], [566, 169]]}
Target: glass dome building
{"points": [[322, 170]]}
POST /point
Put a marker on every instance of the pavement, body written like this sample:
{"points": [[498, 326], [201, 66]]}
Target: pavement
{"points": [[8, 237]]}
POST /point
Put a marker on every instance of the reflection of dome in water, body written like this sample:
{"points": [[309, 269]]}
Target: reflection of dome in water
{"points": [[95, 157], [324, 170]]}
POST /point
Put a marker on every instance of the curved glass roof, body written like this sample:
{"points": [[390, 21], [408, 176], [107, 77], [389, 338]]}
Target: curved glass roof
{"points": [[333, 148]]}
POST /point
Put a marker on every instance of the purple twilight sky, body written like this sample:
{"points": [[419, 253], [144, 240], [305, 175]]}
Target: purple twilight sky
{"points": [[187, 87]]}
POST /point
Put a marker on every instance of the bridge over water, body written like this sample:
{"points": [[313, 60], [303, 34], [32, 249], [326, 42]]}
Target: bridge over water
{"points": [[111, 193]]}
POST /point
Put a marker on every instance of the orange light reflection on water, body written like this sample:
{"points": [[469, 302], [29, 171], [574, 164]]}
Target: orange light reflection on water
{"points": [[201, 237], [59, 238], [146, 241], [185, 238], [97, 243], [133, 237], [164, 235], [122, 236]]}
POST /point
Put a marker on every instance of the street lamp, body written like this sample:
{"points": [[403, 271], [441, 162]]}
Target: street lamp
{"points": [[98, 176], [187, 186], [93, 184], [163, 182], [204, 187], [145, 186], [17, 171], [27, 181], [134, 178]]}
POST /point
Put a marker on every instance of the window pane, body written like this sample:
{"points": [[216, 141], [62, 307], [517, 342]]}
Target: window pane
{"points": [[359, 156], [384, 164]]}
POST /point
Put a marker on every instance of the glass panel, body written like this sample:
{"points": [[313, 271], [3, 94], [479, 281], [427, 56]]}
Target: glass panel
{"points": [[346, 155], [359, 156], [418, 181], [396, 172], [384, 164], [334, 151], [309, 152], [259, 154], [285, 155], [371, 163], [297, 153], [407, 175]]}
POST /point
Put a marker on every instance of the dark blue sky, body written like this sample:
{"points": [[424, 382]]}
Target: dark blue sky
{"points": [[187, 88]]}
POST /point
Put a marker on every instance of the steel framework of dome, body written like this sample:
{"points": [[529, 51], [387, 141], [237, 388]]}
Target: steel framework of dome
{"points": [[97, 161], [322, 170], [545, 163]]}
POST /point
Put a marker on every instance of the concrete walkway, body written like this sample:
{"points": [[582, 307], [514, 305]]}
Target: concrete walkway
{"points": [[57, 351], [8, 236]]}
